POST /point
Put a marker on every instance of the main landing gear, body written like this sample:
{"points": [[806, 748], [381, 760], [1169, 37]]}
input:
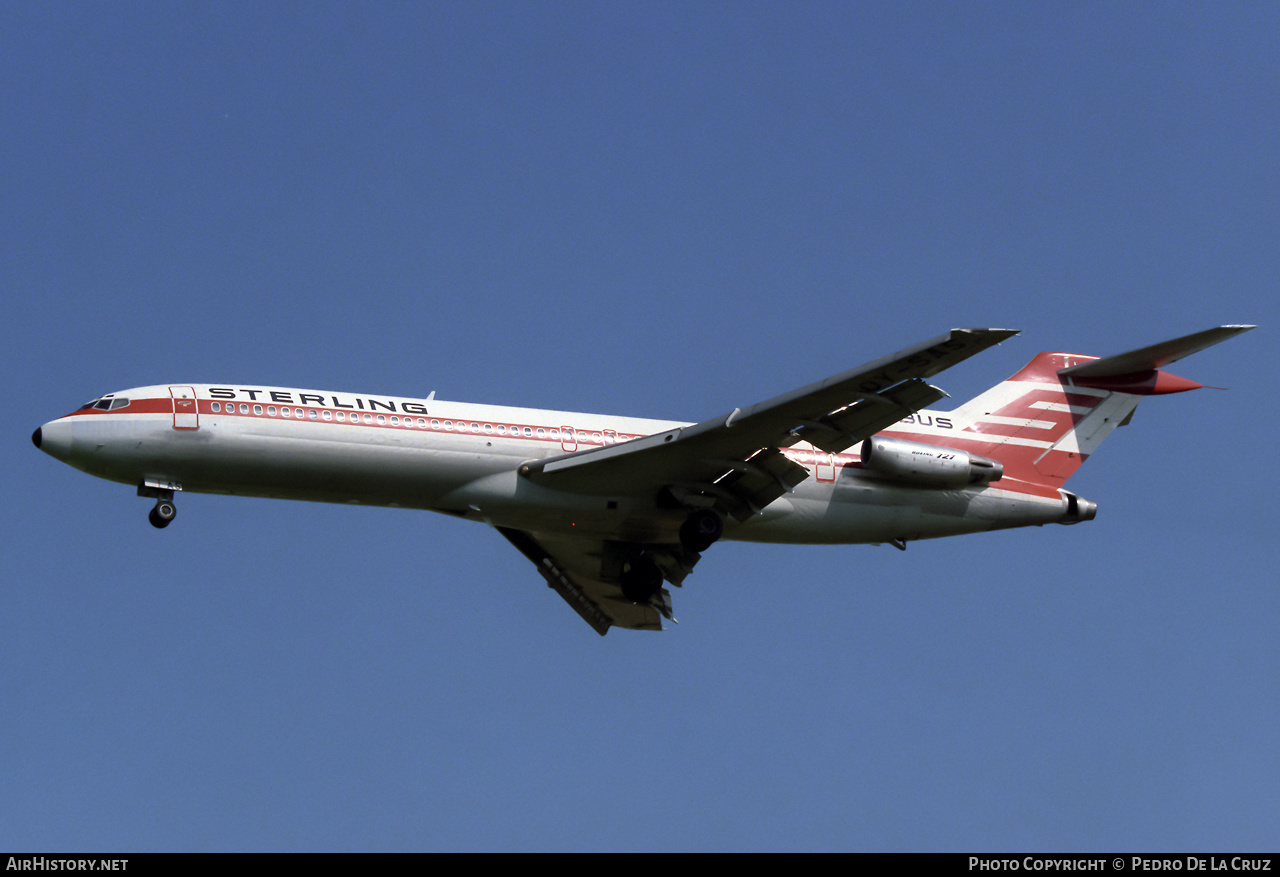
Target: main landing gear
{"points": [[700, 531], [642, 577]]}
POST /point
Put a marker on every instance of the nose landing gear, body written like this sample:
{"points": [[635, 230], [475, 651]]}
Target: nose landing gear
{"points": [[163, 514], [165, 511]]}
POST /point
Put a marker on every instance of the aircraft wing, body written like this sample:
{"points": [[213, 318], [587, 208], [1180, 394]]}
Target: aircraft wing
{"points": [[575, 569], [734, 460]]}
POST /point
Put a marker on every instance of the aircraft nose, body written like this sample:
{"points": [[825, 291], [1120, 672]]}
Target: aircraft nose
{"points": [[54, 438]]}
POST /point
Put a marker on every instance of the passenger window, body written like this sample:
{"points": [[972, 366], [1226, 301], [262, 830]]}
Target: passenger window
{"points": [[216, 407], [271, 410], [244, 408]]}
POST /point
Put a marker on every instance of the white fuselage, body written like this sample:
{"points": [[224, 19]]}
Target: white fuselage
{"points": [[463, 459]]}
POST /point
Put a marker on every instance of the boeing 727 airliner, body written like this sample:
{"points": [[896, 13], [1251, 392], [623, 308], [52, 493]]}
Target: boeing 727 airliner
{"points": [[610, 509]]}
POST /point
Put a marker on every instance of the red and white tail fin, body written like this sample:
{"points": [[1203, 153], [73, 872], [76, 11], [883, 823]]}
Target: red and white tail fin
{"points": [[1046, 420]]}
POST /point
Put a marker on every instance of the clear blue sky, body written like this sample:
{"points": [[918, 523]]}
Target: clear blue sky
{"points": [[665, 210]]}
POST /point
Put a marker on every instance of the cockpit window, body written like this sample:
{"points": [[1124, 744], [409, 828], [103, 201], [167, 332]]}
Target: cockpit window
{"points": [[105, 403]]}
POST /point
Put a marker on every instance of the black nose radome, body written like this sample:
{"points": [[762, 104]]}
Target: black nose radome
{"points": [[35, 437]]}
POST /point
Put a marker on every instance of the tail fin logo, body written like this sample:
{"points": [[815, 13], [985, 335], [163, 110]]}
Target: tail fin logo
{"points": [[1046, 420], [1039, 424]]}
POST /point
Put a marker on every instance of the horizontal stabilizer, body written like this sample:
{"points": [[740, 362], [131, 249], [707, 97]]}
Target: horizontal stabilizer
{"points": [[1154, 357]]}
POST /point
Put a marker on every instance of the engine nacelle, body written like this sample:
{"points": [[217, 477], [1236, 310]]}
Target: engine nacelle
{"points": [[927, 465]]}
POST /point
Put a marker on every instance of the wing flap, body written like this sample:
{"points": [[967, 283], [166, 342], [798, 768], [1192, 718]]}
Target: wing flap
{"points": [[921, 361], [846, 427], [747, 487], [573, 568]]}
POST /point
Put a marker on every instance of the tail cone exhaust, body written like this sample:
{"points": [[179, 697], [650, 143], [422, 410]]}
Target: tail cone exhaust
{"points": [[1078, 509]]}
